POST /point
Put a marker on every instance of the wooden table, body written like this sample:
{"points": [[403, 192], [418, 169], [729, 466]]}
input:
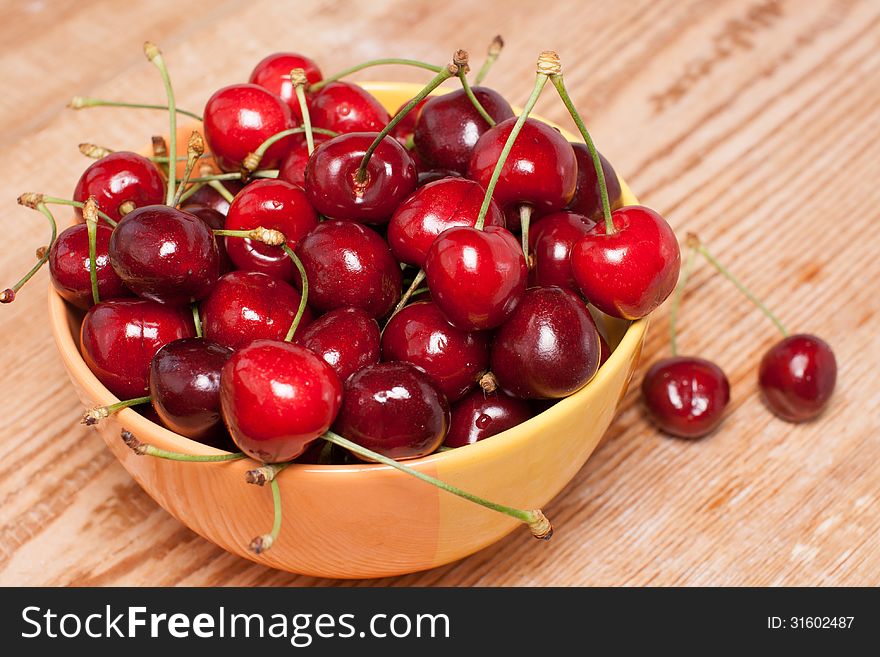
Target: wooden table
{"points": [[754, 123]]}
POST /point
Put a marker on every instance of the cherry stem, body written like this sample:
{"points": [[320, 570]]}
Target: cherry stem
{"points": [[95, 415], [90, 214], [676, 300], [51, 200], [525, 218], [262, 173], [193, 188], [694, 242], [268, 236], [262, 543], [96, 152], [491, 55], [373, 62], [265, 473], [474, 100], [81, 102], [195, 148], [594, 154], [252, 161], [220, 188], [304, 297], [145, 449], [299, 81], [8, 295], [197, 319], [411, 290], [155, 56]]}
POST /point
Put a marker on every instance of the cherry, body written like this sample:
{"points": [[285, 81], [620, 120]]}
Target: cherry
{"points": [[480, 415], [246, 305], [631, 271], [797, 377], [432, 175], [432, 209], [348, 264], [344, 107], [215, 221], [335, 189], [548, 348], [165, 254], [449, 126], [208, 197], [686, 396], [277, 398], [185, 386], [394, 409], [403, 131], [119, 338], [69, 266], [120, 182], [604, 350], [587, 199], [346, 338], [272, 204], [293, 166], [454, 358], [239, 118], [476, 277], [553, 236], [273, 73]]}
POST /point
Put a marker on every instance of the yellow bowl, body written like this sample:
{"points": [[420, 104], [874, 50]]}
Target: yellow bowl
{"points": [[368, 520]]}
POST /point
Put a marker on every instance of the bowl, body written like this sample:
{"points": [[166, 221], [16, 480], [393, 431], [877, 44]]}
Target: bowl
{"points": [[364, 521]]}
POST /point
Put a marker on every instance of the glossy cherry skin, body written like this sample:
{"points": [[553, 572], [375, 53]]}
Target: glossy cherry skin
{"points": [[346, 338], [685, 396], [293, 167], [165, 254], [432, 209], [454, 358], [277, 398], [239, 118], [394, 409], [449, 127], [334, 190], [476, 277], [273, 73], [433, 175], [540, 171], [69, 266], [209, 197], [117, 178], [587, 200], [797, 377], [552, 237], [185, 386], [480, 415], [548, 348], [344, 107], [350, 265], [247, 305], [119, 338], [215, 220], [629, 273], [271, 204]]}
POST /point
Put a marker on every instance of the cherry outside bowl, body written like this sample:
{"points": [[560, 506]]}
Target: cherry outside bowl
{"points": [[366, 520]]}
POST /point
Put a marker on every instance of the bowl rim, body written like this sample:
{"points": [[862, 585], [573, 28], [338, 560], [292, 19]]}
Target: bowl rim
{"points": [[456, 458]]}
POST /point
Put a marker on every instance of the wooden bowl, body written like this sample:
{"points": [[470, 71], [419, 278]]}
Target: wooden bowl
{"points": [[359, 521]]}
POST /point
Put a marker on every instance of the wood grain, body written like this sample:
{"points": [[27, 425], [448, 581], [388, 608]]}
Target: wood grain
{"points": [[752, 123]]}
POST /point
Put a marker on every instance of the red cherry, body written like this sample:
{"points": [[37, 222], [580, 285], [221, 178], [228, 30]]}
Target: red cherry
{"points": [[552, 238], [548, 348], [69, 266], [215, 221], [393, 409], [344, 107], [481, 415], [208, 197], [476, 277], [271, 204], [165, 254], [277, 398], [433, 175], [797, 377], [454, 359], [246, 305], [432, 209], [404, 130], [685, 396], [239, 118], [604, 350], [335, 191], [449, 127], [185, 386], [273, 73], [349, 265], [118, 178], [119, 338], [346, 338], [587, 199], [293, 166], [540, 171], [629, 273]]}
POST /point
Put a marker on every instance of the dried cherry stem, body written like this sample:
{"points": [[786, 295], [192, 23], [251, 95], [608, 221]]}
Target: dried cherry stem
{"points": [[35, 202], [262, 543], [81, 102], [252, 160], [491, 55], [488, 382], [197, 319], [411, 290], [145, 449], [462, 76], [694, 242], [268, 236], [155, 56], [525, 218], [95, 415], [96, 152], [556, 79], [299, 81], [459, 62], [32, 199], [676, 300], [195, 148], [90, 215], [264, 474], [304, 296], [540, 81], [373, 62], [535, 519]]}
